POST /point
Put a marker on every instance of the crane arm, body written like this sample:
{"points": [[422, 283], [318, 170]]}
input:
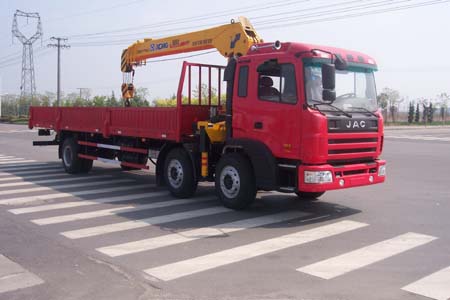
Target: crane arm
{"points": [[230, 40]]}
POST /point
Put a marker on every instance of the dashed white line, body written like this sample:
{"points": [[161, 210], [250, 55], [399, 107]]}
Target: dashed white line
{"points": [[39, 208], [435, 286], [111, 211], [139, 223], [214, 260], [195, 234], [342, 264], [14, 277]]}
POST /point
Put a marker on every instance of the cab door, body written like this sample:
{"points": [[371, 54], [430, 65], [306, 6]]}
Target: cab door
{"points": [[267, 107]]}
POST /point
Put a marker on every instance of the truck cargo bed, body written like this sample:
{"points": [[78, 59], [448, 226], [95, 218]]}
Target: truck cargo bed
{"points": [[169, 123]]}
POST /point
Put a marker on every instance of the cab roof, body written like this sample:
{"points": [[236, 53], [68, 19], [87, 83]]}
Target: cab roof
{"points": [[302, 50]]}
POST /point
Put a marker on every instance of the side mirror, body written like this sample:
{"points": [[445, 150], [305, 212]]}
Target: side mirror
{"points": [[340, 63], [328, 76], [328, 95]]}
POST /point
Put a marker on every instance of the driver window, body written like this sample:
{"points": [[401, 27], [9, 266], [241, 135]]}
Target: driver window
{"points": [[278, 84]]}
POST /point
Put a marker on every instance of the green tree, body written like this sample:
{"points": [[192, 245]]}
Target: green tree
{"points": [[99, 101], [411, 113], [140, 98], [112, 100], [417, 114], [430, 113]]}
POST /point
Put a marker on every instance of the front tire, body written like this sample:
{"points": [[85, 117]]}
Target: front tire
{"points": [[179, 174], [309, 196], [235, 181]]}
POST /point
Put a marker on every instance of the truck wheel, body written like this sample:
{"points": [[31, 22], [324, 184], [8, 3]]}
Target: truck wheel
{"points": [[309, 196], [179, 174], [235, 181], [71, 162]]}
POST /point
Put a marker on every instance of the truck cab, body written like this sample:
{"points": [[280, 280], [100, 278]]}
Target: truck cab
{"points": [[301, 134]]}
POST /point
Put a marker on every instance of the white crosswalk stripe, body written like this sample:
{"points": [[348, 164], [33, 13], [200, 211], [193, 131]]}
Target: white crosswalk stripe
{"points": [[214, 260], [15, 277], [139, 223], [365, 256], [111, 211], [9, 158], [54, 196], [15, 162], [48, 207], [195, 234], [419, 137], [25, 169], [46, 175], [435, 286], [49, 181], [63, 186]]}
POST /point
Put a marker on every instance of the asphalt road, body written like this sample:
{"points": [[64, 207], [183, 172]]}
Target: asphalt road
{"points": [[123, 238]]}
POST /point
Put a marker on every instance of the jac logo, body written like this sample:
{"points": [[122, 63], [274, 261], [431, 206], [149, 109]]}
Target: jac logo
{"points": [[356, 124]]}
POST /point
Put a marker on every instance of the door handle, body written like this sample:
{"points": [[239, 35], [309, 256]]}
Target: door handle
{"points": [[258, 125]]}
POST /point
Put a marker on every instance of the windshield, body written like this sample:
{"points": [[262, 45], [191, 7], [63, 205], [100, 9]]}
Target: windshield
{"points": [[355, 88]]}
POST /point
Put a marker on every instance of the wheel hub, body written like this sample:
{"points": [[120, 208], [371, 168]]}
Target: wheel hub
{"points": [[175, 173], [230, 182]]}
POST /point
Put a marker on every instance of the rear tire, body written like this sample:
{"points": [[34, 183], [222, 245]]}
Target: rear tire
{"points": [[70, 160], [309, 196], [179, 174], [235, 181]]}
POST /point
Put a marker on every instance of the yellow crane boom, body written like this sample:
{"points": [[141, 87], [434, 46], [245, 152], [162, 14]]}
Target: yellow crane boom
{"points": [[230, 40]]}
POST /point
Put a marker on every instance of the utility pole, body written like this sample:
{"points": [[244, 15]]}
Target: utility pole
{"points": [[58, 45], [81, 91]]}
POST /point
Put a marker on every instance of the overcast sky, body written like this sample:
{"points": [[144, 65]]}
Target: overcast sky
{"points": [[410, 46]]}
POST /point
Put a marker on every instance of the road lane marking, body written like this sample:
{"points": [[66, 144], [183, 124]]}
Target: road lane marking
{"points": [[48, 207], [195, 234], [49, 181], [111, 211], [21, 200], [419, 137], [233, 255], [342, 264], [14, 277], [139, 223], [24, 178], [63, 186], [435, 286], [31, 199], [15, 162], [25, 169], [9, 158]]}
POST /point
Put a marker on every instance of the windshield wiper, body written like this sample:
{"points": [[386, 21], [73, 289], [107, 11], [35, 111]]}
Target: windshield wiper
{"points": [[316, 103], [365, 110]]}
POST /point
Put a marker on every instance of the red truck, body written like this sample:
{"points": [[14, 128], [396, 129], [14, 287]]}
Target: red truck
{"points": [[297, 118]]}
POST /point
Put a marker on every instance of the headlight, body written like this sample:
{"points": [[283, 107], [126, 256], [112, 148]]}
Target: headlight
{"points": [[382, 170], [318, 177]]}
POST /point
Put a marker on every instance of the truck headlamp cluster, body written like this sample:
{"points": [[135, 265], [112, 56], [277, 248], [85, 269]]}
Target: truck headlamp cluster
{"points": [[382, 170], [318, 177]]}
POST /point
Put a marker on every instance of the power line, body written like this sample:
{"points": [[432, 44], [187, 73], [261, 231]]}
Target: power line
{"points": [[348, 16], [363, 8], [193, 18]]}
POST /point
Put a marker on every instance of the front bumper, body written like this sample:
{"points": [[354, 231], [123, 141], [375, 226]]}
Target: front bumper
{"points": [[344, 176]]}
